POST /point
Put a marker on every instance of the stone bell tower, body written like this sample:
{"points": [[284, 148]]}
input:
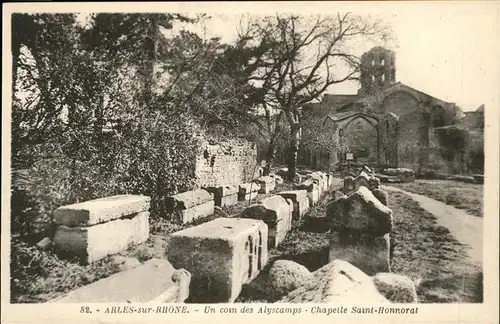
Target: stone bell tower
{"points": [[378, 69]]}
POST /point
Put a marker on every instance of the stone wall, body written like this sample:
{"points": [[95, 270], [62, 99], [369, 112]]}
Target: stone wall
{"points": [[227, 163]]}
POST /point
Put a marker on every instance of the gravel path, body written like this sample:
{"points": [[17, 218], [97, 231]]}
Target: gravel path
{"points": [[466, 228]]}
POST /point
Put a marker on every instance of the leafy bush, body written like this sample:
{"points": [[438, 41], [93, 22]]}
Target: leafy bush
{"points": [[153, 156]]}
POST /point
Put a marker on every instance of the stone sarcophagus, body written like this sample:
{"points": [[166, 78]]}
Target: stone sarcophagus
{"points": [[224, 195], [92, 230], [275, 211], [348, 184], [360, 231], [312, 191], [267, 184], [366, 179], [318, 180], [300, 202], [221, 256], [338, 282], [402, 174], [155, 281], [278, 179], [191, 205], [362, 179], [248, 191]]}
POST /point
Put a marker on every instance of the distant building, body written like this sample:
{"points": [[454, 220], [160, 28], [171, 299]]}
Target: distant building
{"points": [[387, 123]]}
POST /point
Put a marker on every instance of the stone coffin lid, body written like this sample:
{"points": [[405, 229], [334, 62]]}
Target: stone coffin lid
{"points": [[273, 202], [307, 185], [223, 190], [364, 175], [245, 188], [375, 217], [101, 210], [270, 210], [337, 282], [266, 179], [316, 176], [275, 176], [399, 171], [189, 199], [282, 172], [223, 228], [151, 281], [294, 195], [367, 169]]}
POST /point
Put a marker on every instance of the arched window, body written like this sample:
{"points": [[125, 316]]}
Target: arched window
{"points": [[382, 77], [373, 78], [373, 62], [382, 62]]}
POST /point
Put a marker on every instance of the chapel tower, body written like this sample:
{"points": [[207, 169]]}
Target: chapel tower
{"points": [[378, 69]]}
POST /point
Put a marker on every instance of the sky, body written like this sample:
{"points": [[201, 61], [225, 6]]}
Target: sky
{"points": [[447, 51]]}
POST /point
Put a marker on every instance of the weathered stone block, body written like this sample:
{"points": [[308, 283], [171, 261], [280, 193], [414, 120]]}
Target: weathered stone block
{"points": [[363, 179], [275, 212], [300, 202], [368, 253], [44, 244], [329, 180], [403, 174], [221, 256], [367, 169], [381, 195], [248, 191], [396, 288], [312, 191], [318, 180], [360, 210], [155, 281], [290, 209], [101, 210], [324, 178], [224, 195], [338, 282], [125, 263], [348, 184], [93, 243], [267, 184], [191, 205], [286, 276], [373, 183], [277, 178], [283, 172]]}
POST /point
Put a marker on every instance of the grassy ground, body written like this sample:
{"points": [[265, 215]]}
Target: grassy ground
{"points": [[425, 252], [468, 196], [431, 257]]}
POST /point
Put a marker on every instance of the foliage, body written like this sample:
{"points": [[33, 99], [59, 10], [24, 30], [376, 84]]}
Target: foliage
{"points": [[304, 57], [110, 105]]}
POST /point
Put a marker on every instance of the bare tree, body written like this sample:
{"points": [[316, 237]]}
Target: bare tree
{"points": [[305, 56]]}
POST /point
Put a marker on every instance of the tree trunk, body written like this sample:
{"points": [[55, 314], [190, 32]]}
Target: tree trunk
{"points": [[293, 150], [150, 46], [270, 156]]}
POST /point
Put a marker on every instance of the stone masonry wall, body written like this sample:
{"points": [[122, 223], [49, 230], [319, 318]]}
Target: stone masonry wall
{"points": [[227, 163]]}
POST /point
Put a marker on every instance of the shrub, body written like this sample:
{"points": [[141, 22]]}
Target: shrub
{"points": [[152, 155]]}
